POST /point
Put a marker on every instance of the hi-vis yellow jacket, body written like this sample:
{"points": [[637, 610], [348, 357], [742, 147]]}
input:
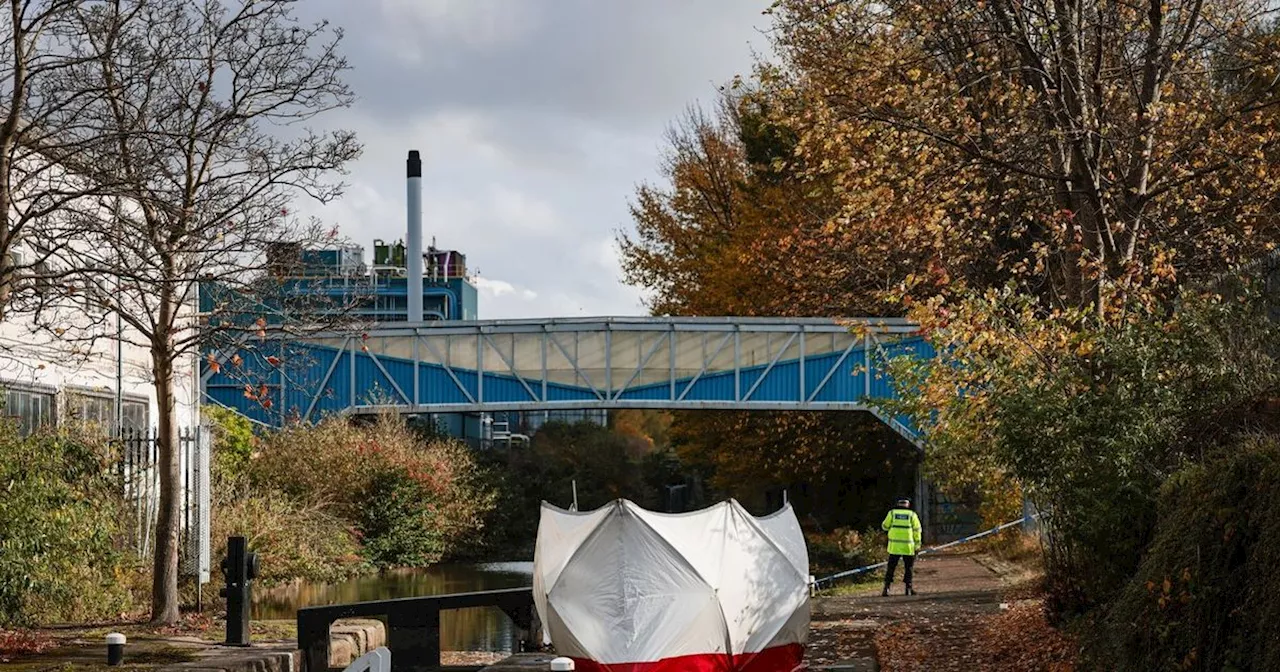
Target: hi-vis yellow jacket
{"points": [[903, 526]]}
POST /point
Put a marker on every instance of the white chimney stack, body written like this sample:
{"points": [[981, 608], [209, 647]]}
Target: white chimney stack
{"points": [[413, 240]]}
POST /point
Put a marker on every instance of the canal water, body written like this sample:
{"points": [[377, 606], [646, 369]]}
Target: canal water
{"points": [[483, 629]]}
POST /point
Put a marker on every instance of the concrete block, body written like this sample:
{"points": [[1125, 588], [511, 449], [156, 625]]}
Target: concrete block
{"points": [[351, 638], [242, 660]]}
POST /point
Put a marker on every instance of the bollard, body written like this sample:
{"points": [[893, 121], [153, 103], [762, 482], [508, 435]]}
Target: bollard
{"points": [[115, 649], [561, 664], [238, 569]]}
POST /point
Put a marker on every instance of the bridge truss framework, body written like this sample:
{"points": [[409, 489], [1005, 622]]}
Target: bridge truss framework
{"points": [[675, 363]]}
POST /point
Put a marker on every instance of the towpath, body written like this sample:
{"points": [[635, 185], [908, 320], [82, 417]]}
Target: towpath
{"points": [[957, 621]]}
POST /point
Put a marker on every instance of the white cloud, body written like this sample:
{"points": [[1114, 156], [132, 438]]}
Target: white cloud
{"points": [[516, 210], [414, 24]]}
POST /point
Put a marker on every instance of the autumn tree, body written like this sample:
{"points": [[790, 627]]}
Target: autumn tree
{"points": [[1098, 150], [206, 106], [1093, 157], [735, 231]]}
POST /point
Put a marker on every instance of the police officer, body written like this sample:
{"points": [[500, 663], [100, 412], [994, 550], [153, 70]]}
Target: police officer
{"points": [[903, 526]]}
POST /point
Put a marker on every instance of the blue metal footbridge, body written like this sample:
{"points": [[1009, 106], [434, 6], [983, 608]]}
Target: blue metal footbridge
{"points": [[733, 363]]}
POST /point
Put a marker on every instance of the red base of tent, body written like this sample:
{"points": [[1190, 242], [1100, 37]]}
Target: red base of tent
{"points": [[785, 658]]}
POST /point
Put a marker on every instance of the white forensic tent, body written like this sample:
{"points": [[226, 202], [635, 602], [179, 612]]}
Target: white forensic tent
{"points": [[622, 589]]}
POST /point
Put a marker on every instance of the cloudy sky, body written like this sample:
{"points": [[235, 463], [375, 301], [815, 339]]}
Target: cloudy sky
{"points": [[536, 119]]}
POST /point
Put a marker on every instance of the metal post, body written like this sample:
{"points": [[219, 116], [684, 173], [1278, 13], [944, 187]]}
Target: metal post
{"points": [[803, 391], [239, 568], [737, 363], [671, 338], [120, 333], [115, 649], [866, 360]]}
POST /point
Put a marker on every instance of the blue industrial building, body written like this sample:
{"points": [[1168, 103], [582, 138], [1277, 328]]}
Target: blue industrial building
{"points": [[339, 278]]}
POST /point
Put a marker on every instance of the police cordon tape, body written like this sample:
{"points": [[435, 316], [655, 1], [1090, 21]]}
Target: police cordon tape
{"points": [[817, 583]]}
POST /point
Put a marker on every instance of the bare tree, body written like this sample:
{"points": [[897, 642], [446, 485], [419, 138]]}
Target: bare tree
{"points": [[43, 129], [205, 105]]}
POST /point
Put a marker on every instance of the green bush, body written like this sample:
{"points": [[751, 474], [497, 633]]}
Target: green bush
{"points": [[398, 523], [60, 530], [233, 437], [1206, 594]]}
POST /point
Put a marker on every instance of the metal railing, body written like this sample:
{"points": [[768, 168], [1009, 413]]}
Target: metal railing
{"points": [[140, 485]]}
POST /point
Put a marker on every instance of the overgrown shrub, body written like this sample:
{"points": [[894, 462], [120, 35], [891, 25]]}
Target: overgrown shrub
{"points": [[412, 501], [292, 541], [398, 521], [61, 550], [1207, 596]]}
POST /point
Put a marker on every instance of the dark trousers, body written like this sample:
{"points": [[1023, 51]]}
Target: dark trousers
{"points": [[908, 562]]}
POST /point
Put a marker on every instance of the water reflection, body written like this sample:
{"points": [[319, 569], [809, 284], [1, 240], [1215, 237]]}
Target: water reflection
{"points": [[483, 629]]}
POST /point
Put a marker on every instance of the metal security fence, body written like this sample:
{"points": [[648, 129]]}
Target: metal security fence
{"points": [[140, 481]]}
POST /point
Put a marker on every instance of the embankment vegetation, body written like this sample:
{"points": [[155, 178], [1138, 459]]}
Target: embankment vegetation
{"points": [[1204, 594], [63, 546], [326, 501]]}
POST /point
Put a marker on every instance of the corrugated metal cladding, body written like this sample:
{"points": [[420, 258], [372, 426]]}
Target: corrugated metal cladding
{"points": [[313, 380]]}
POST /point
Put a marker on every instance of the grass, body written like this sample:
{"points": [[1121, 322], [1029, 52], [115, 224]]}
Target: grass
{"points": [[80, 649], [854, 585], [1013, 547]]}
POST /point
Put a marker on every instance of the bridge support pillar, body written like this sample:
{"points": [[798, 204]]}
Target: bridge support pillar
{"points": [[923, 505]]}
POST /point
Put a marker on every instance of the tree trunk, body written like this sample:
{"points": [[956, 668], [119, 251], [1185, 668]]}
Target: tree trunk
{"points": [[164, 580], [8, 271]]}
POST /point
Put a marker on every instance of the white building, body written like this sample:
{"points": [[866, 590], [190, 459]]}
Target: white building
{"points": [[50, 378]]}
